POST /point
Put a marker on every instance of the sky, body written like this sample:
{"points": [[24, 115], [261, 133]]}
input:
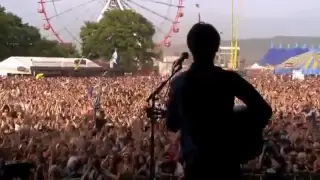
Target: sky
{"points": [[257, 19]]}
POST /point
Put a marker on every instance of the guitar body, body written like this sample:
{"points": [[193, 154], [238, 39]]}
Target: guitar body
{"points": [[251, 130]]}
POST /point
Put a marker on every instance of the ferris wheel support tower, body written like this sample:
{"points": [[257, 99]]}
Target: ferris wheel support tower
{"points": [[110, 4]]}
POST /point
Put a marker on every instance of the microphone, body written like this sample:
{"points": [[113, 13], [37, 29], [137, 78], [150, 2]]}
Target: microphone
{"points": [[180, 60]]}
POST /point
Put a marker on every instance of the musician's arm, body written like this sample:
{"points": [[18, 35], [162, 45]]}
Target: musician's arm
{"points": [[172, 114], [255, 103]]}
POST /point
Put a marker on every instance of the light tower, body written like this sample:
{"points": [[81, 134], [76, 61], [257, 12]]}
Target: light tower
{"points": [[109, 5], [235, 20]]}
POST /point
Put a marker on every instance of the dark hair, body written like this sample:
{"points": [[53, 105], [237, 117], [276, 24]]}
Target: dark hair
{"points": [[203, 40]]}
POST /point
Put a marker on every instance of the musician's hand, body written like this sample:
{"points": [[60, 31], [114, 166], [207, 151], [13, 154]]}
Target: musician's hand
{"points": [[156, 112], [161, 112]]}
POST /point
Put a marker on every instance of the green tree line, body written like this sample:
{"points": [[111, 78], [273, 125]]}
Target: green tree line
{"points": [[21, 39]]}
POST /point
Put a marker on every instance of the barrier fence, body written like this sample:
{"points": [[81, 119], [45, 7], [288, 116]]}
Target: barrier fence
{"points": [[296, 176], [138, 178]]}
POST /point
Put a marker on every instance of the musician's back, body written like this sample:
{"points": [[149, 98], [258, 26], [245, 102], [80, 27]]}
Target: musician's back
{"points": [[207, 103], [201, 105], [206, 106]]}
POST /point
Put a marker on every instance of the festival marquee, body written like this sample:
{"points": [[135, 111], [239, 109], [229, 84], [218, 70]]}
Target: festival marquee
{"points": [[308, 63], [276, 56]]}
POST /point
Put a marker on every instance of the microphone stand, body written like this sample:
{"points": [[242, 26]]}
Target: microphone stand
{"points": [[151, 114]]}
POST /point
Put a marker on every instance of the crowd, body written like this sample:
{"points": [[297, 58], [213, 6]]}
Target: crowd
{"points": [[50, 122]]}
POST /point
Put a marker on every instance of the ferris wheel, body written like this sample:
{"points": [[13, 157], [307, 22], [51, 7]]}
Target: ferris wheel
{"points": [[62, 19]]}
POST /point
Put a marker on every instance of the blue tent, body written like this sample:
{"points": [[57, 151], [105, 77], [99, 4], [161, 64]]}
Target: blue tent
{"points": [[308, 63], [315, 50], [276, 56]]}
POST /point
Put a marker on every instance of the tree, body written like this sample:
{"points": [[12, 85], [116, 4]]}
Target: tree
{"points": [[21, 39], [47, 48], [69, 49], [125, 30]]}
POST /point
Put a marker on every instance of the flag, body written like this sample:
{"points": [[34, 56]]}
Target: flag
{"points": [[77, 64], [114, 58], [39, 76], [76, 67]]}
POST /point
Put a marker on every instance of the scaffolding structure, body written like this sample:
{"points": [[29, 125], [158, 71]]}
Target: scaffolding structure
{"points": [[235, 22]]}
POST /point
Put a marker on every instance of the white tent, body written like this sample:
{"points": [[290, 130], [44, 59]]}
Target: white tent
{"points": [[255, 66], [13, 65], [170, 59], [55, 61], [22, 65]]}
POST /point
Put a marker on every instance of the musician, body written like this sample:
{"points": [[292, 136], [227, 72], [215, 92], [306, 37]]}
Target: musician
{"points": [[201, 101]]}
